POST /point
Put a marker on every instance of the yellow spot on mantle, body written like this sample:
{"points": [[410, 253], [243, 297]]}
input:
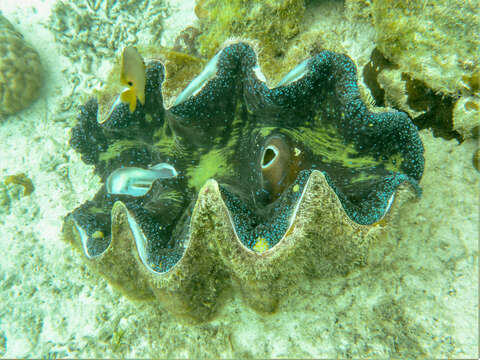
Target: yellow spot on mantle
{"points": [[296, 188], [98, 234], [261, 245]]}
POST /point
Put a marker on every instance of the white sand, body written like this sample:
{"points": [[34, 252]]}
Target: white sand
{"points": [[419, 294]]}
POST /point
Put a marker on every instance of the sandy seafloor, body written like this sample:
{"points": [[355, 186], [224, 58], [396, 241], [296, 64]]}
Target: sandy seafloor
{"points": [[417, 297]]}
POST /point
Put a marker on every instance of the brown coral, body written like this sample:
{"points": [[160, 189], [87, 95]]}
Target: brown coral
{"points": [[21, 73]]}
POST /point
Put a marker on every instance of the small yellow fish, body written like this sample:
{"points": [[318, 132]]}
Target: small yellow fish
{"points": [[132, 75]]}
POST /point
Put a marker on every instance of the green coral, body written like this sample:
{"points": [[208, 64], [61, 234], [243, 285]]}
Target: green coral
{"points": [[435, 41], [272, 23]]}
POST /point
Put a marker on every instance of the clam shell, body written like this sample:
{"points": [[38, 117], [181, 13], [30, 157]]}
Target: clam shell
{"points": [[216, 260]]}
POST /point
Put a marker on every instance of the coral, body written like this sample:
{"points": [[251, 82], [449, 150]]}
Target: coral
{"points": [[5, 201], [272, 24], [466, 116], [358, 9], [302, 177], [426, 61], [23, 180], [476, 159], [408, 31], [21, 72], [88, 32], [448, 116]]}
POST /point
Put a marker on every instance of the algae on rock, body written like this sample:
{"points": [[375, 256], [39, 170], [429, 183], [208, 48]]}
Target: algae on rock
{"points": [[273, 23], [437, 43]]}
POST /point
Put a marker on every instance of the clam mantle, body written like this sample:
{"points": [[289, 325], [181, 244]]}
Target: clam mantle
{"points": [[238, 185]]}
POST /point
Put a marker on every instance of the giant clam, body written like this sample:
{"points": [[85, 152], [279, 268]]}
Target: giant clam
{"points": [[238, 185]]}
